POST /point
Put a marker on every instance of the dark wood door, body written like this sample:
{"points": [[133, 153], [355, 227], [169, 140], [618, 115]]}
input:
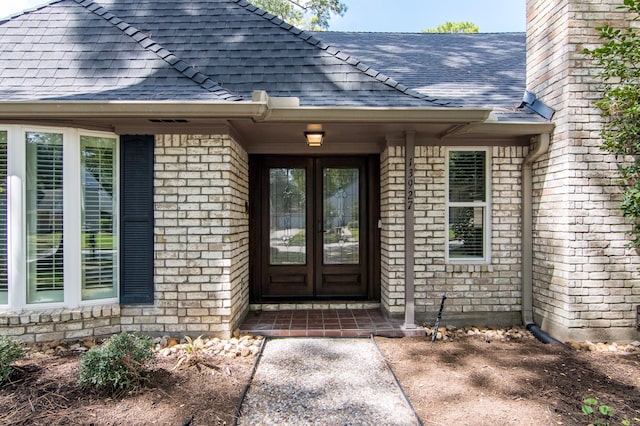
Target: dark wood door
{"points": [[340, 246], [314, 228]]}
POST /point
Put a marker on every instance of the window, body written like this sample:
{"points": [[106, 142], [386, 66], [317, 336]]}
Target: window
{"points": [[61, 234], [99, 231], [44, 209], [468, 205]]}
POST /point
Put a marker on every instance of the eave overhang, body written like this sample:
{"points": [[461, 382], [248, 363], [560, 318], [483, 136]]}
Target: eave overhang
{"points": [[258, 111], [263, 124], [377, 115], [129, 109]]}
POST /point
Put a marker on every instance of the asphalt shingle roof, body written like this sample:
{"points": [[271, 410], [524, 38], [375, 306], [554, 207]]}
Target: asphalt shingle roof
{"points": [[474, 70], [223, 50], [179, 50], [246, 49], [65, 51]]}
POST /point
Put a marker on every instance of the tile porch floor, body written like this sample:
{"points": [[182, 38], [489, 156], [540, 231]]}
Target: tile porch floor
{"points": [[325, 323]]}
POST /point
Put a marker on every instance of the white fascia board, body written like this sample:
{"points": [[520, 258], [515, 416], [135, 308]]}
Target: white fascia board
{"points": [[130, 109]]}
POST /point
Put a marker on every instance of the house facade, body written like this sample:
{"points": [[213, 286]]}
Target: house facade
{"points": [[159, 177]]}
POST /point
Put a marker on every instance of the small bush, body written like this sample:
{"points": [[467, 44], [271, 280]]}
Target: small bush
{"points": [[10, 352], [117, 364]]}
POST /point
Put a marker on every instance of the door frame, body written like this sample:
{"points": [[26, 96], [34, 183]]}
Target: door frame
{"points": [[371, 207]]}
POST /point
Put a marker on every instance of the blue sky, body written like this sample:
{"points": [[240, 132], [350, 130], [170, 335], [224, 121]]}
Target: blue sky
{"points": [[397, 15], [415, 15]]}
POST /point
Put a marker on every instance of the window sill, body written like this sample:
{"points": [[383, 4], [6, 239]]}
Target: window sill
{"points": [[481, 266], [58, 315]]}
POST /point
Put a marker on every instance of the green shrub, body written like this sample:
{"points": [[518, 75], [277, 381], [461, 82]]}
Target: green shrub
{"points": [[117, 364], [10, 352]]}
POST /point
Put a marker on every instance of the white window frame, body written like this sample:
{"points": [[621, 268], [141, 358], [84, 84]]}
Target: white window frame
{"points": [[72, 198], [485, 205]]}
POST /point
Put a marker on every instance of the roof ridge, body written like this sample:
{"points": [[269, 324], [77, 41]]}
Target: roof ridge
{"points": [[147, 43], [362, 67]]}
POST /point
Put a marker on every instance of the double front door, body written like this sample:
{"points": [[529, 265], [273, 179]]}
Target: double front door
{"points": [[312, 228]]}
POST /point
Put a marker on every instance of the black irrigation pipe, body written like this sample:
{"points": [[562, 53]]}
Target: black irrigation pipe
{"points": [[236, 416], [542, 336], [395, 378]]}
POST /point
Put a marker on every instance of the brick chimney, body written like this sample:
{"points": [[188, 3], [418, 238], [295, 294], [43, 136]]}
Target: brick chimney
{"points": [[584, 275]]}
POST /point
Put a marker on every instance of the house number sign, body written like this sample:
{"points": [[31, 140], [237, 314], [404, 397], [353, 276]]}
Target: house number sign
{"points": [[410, 183]]}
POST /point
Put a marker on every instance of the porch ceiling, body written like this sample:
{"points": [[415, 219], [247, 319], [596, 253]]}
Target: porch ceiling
{"points": [[362, 138]]}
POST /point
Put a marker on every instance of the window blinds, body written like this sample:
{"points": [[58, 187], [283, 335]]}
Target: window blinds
{"points": [[467, 203], [467, 178], [44, 217], [99, 236]]}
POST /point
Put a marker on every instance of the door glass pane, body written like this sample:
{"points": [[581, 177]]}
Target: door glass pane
{"points": [[44, 217], [287, 216], [340, 199], [99, 232], [4, 282]]}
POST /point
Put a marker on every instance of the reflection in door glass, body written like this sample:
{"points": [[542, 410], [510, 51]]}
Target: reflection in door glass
{"points": [[287, 217], [340, 198]]}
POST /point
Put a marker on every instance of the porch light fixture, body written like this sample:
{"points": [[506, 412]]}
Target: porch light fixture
{"points": [[314, 138]]}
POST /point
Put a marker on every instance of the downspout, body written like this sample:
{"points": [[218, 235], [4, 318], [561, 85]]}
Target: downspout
{"points": [[540, 147]]}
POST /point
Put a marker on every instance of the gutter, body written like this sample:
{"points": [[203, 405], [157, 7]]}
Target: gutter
{"points": [[541, 147], [261, 108], [130, 109]]}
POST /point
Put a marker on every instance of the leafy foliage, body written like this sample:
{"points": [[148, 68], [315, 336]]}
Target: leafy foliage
{"points": [[118, 364], [454, 27], [306, 14], [10, 352], [194, 354], [599, 414], [619, 62]]}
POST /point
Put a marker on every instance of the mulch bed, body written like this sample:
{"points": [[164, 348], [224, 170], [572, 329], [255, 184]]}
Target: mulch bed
{"points": [[465, 380]]}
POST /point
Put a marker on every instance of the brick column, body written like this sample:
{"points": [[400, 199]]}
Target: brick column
{"points": [[392, 233], [201, 267]]}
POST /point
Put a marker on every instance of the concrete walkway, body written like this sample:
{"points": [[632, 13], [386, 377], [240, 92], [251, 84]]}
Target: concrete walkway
{"points": [[324, 381]]}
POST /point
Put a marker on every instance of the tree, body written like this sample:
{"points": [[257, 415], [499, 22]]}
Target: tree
{"points": [[618, 59], [454, 27], [306, 14]]}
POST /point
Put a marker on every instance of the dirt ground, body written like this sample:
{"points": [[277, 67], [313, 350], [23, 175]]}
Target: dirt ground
{"points": [[477, 380], [44, 392], [471, 380]]}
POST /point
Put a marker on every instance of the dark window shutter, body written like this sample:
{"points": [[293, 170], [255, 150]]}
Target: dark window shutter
{"points": [[136, 219]]}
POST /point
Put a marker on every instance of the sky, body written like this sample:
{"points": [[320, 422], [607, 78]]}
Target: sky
{"points": [[396, 15]]}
